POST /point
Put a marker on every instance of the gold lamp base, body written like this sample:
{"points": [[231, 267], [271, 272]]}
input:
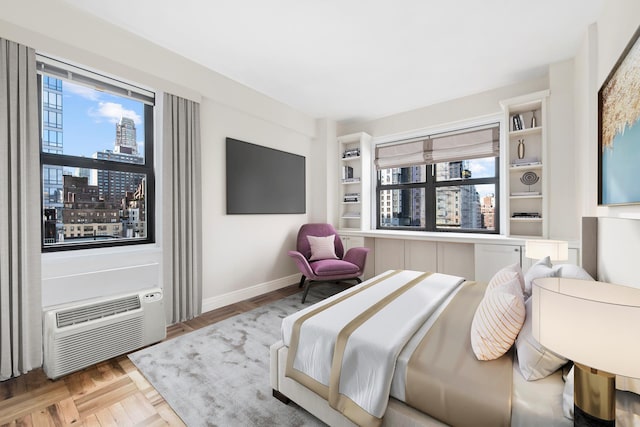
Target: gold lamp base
{"points": [[594, 397]]}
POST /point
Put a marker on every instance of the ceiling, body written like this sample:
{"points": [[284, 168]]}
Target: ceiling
{"points": [[351, 60]]}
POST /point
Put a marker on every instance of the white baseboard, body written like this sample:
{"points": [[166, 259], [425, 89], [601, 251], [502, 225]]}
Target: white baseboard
{"points": [[250, 292]]}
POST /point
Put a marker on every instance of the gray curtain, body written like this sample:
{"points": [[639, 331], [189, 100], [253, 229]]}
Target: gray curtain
{"points": [[183, 205], [20, 218]]}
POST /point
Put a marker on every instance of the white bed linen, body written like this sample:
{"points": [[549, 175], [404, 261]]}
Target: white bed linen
{"points": [[370, 353]]}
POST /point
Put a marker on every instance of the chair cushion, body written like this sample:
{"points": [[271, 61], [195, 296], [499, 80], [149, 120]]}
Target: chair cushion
{"points": [[322, 247], [333, 267]]}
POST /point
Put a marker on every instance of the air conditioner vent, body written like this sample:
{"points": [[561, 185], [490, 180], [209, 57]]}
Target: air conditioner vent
{"points": [[97, 311], [83, 333]]}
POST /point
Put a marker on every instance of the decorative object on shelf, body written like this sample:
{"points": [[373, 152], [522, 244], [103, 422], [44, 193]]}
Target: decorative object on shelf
{"points": [[533, 119], [521, 148], [588, 322], [618, 138], [529, 178]]}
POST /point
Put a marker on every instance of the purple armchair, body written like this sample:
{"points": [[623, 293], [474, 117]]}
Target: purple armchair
{"points": [[347, 266]]}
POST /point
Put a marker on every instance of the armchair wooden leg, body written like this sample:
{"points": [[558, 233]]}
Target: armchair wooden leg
{"points": [[301, 281], [306, 291]]}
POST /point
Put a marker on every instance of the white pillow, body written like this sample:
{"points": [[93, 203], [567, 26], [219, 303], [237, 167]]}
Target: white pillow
{"points": [[567, 396], [322, 247], [505, 279], [571, 271], [534, 359], [503, 274], [539, 270], [497, 321]]}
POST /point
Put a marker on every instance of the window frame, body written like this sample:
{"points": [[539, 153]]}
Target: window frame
{"points": [[430, 185], [64, 160]]}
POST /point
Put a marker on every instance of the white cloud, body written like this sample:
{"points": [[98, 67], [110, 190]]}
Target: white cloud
{"points": [[112, 112], [82, 91]]}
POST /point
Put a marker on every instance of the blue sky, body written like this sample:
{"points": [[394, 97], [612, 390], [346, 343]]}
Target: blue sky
{"points": [[90, 116]]}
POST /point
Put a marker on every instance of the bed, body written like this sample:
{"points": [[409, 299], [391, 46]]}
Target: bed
{"points": [[532, 403]]}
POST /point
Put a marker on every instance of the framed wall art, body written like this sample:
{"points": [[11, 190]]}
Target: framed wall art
{"points": [[619, 130]]}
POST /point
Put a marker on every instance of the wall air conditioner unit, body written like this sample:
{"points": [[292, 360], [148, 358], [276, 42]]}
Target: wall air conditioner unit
{"points": [[83, 333]]}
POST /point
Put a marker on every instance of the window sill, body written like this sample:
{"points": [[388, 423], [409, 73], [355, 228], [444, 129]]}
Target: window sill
{"points": [[151, 248], [435, 236]]}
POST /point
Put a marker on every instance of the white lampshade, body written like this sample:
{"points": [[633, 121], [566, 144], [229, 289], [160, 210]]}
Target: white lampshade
{"points": [[557, 250], [589, 322]]}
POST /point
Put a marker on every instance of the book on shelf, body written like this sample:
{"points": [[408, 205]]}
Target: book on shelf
{"points": [[347, 172], [351, 215], [351, 197], [527, 161], [517, 122], [525, 215], [526, 193], [351, 152]]}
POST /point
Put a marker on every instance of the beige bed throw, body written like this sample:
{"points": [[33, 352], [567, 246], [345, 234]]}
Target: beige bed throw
{"points": [[444, 378]]}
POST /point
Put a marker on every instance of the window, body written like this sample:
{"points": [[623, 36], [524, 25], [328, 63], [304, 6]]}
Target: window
{"points": [[96, 159], [445, 182]]}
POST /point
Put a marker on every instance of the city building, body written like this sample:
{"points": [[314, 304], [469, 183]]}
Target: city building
{"points": [[126, 137], [133, 212], [114, 185], [487, 208], [52, 142], [85, 213], [402, 208]]}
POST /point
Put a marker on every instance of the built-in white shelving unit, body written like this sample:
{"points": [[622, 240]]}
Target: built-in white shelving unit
{"points": [[355, 181], [526, 153]]}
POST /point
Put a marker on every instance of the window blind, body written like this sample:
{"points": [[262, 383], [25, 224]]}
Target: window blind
{"points": [[401, 155], [468, 144], [79, 75]]}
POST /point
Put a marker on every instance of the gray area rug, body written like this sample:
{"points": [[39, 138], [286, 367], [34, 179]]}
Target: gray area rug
{"points": [[219, 375]]}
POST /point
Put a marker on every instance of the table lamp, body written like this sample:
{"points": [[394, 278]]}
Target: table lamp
{"points": [[556, 250], [595, 325]]}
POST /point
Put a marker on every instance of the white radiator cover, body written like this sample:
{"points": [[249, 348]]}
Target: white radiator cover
{"points": [[83, 333]]}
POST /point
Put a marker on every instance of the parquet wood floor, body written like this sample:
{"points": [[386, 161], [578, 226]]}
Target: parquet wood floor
{"points": [[111, 393]]}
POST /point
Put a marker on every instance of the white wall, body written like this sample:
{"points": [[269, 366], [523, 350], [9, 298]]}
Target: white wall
{"points": [[474, 106], [324, 147], [564, 214], [602, 46], [243, 255]]}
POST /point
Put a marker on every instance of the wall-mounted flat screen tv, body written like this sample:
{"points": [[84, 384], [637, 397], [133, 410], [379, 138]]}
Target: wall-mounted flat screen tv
{"points": [[262, 180]]}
